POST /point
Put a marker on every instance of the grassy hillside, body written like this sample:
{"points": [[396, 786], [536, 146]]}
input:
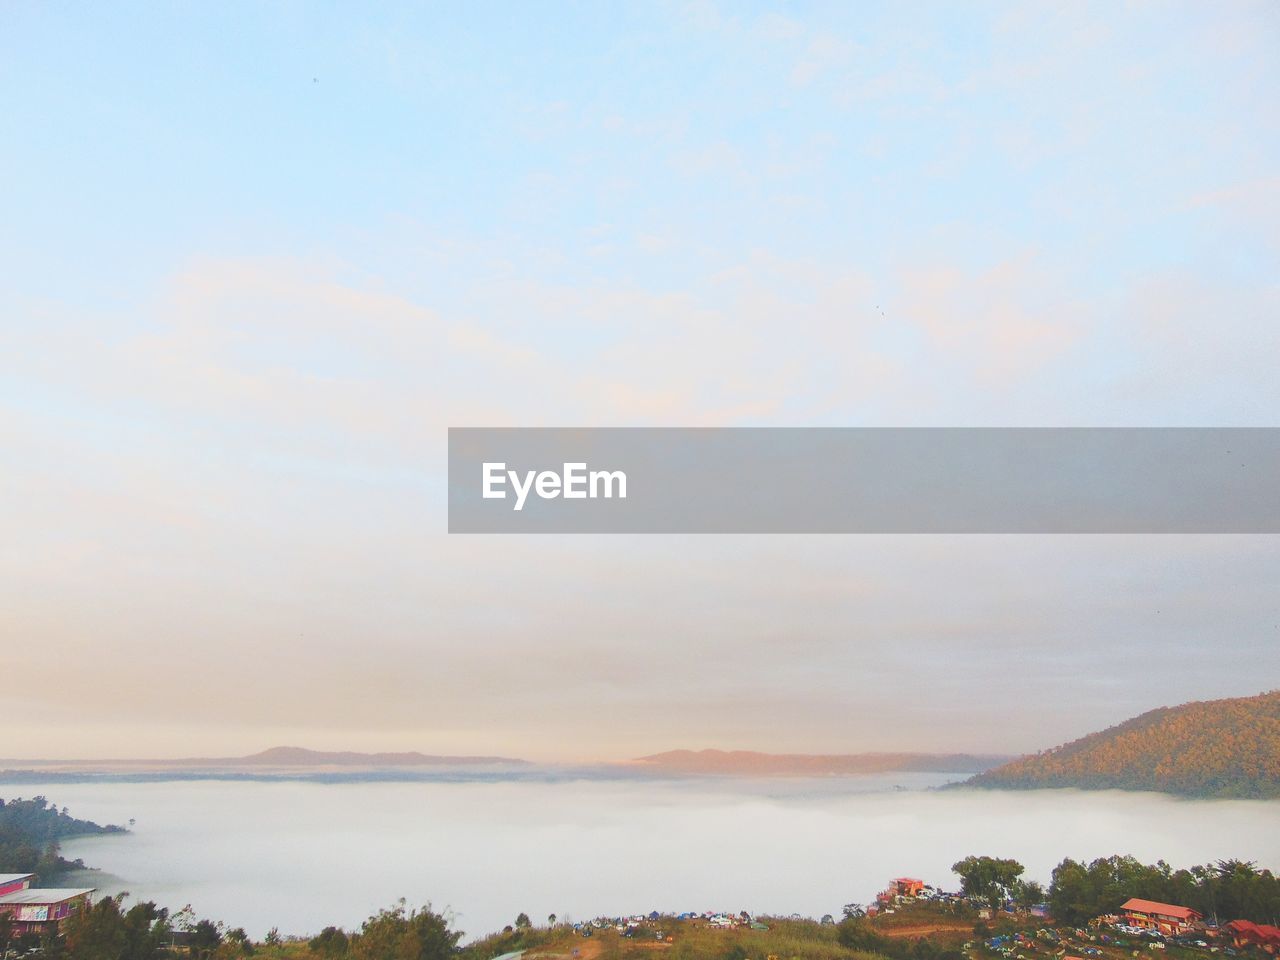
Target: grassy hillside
{"points": [[1215, 748], [783, 938], [801, 939]]}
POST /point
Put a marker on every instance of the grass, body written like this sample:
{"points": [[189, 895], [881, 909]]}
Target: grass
{"points": [[924, 913], [690, 940], [784, 940]]}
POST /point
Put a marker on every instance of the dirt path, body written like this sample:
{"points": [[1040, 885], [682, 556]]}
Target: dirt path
{"points": [[926, 929], [588, 948]]}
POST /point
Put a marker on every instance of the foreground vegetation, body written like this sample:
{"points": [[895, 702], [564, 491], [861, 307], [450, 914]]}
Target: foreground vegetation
{"points": [[950, 929]]}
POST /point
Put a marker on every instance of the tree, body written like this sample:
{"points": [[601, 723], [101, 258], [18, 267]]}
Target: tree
{"points": [[105, 930], [523, 922], [239, 942], [330, 942], [1029, 892], [856, 933], [551, 920], [204, 938], [988, 878], [404, 934], [146, 930], [853, 910], [97, 933], [52, 946], [1228, 889], [1071, 898], [184, 919]]}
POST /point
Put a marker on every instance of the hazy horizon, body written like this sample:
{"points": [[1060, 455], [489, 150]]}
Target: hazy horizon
{"points": [[605, 761]]}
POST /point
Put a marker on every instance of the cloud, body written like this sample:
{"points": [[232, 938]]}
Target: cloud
{"points": [[243, 484], [1002, 324], [1251, 205]]}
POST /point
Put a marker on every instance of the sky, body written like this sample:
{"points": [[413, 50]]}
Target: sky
{"points": [[259, 257]]}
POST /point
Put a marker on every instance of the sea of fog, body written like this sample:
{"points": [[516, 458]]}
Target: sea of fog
{"points": [[299, 856]]}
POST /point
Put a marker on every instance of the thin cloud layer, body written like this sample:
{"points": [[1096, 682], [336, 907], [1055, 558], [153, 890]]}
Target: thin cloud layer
{"points": [[243, 308]]}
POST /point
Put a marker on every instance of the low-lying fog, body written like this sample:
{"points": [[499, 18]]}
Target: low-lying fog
{"points": [[300, 856]]}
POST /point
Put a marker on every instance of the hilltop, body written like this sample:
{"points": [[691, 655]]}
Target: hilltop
{"points": [[751, 763], [1213, 748], [302, 757], [284, 759]]}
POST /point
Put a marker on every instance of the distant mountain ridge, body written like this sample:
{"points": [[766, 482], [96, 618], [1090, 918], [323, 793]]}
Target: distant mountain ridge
{"points": [[287, 757], [753, 763], [302, 757], [1211, 748]]}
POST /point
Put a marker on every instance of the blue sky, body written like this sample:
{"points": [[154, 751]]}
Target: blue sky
{"points": [[259, 257]]}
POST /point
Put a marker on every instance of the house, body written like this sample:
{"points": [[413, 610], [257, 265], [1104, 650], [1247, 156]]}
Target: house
{"points": [[10, 882], [39, 911], [1245, 933], [899, 888], [1166, 918], [906, 886]]}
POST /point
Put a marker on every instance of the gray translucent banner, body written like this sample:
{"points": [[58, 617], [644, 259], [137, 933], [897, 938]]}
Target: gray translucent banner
{"points": [[837, 480]]}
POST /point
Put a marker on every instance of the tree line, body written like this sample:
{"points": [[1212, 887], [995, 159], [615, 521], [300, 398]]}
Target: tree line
{"points": [[30, 832], [1225, 890], [108, 931]]}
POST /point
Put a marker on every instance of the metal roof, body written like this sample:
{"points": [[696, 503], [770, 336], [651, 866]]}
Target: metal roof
{"points": [[11, 877], [1139, 905], [47, 895]]}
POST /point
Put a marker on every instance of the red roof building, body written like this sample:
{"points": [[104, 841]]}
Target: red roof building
{"points": [[901, 887], [1245, 933], [40, 910], [1167, 918], [13, 882]]}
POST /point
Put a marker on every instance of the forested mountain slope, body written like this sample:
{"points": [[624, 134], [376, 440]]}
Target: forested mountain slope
{"points": [[1214, 748], [30, 832]]}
